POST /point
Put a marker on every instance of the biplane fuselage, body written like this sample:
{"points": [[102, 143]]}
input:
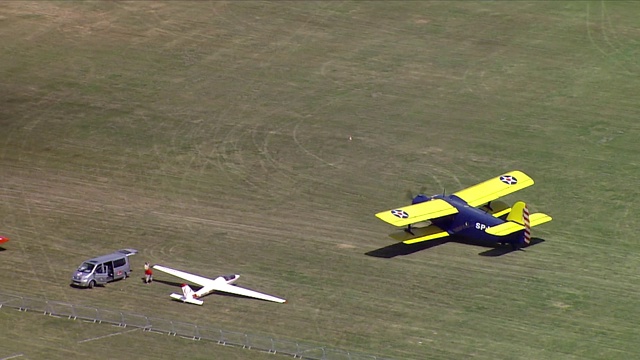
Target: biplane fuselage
{"points": [[471, 213], [471, 222]]}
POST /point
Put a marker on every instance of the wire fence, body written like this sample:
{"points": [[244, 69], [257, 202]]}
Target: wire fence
{"points": [[182, 329]]}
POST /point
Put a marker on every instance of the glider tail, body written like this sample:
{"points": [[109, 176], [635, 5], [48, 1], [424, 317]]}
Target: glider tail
{"points": [[188, 295], [187, 291]]}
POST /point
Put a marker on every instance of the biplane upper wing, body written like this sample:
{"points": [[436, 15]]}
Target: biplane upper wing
{"points": [[416, 213], [495, 188]]}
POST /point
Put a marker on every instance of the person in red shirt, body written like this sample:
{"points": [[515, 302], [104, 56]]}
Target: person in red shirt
{"points": [[148, 274]]}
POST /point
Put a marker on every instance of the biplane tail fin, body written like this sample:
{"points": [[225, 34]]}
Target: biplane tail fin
{"points": [[519, 219], [517, 212]]}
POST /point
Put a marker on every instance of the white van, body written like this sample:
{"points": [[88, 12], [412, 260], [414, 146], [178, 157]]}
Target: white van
{"points": [[103, 269]]}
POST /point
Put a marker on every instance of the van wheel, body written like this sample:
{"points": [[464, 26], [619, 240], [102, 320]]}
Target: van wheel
{"points": [[92, 284]]}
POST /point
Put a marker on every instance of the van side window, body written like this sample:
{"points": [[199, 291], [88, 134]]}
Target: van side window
{"points": [[100, 269], [119, 262]]}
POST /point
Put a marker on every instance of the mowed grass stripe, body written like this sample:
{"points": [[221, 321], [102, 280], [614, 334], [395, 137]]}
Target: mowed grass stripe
{"points": [[214, 137]]}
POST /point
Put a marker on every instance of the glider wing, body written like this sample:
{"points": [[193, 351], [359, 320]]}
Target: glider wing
{"points": [[196, 279], [233, 289]]}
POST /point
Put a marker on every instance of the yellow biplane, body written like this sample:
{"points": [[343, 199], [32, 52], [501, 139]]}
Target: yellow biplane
{"points": [[472, 213]]}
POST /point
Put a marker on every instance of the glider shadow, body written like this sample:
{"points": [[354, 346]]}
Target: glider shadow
{"points": [[401, 249]]}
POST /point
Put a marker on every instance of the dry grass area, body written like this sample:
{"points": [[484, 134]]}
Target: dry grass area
{"points": [[214, 137]]}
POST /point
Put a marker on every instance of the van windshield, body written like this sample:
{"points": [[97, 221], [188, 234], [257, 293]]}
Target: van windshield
{"points": [[86, 268]]}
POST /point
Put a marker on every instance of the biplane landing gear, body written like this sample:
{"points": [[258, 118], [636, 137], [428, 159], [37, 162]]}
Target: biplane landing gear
{"points": [[408, 229]]}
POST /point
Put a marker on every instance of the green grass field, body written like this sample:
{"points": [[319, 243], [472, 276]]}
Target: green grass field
{"points": [[65, 339], [214, 137]]}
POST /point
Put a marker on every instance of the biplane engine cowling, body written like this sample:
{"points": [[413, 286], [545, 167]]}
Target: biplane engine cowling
{"points": [[420, 198]]}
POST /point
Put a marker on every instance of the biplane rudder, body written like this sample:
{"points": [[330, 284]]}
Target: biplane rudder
{"points": [[520, 215]]}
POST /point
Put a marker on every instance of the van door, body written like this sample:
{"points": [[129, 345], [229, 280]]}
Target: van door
{"points": [[109, 267], [121, 268], [101, 274]]}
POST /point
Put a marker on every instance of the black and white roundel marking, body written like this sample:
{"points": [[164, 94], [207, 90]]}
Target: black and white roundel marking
{"points": [[508, 179], [400, 213]]}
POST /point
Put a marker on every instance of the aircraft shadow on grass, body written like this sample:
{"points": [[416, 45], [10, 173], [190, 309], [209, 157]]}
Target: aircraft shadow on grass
{"points": [[401, 249]]}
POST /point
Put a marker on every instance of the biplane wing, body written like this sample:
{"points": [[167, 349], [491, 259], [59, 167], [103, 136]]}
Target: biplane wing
{"points": [[419, 234], [495, 188], [412, 214]]}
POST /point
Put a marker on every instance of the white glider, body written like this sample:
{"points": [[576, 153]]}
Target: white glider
{"points": [[221, 283]]}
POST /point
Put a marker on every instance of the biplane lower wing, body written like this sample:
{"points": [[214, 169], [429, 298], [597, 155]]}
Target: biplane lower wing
{"points": [[510, 227], [495, 188], [496, 208], [417, 235], [412, 214]]}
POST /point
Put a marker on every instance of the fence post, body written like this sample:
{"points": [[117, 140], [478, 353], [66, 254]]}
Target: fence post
{"points": [[273, 346], [148, 326], [73, 312]]}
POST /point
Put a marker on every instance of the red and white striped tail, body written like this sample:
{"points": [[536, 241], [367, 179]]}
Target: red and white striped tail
{"points": [[527, 225]]}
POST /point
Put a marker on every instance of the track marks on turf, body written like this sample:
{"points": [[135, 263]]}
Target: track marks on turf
{"points": [[615, 53]]}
